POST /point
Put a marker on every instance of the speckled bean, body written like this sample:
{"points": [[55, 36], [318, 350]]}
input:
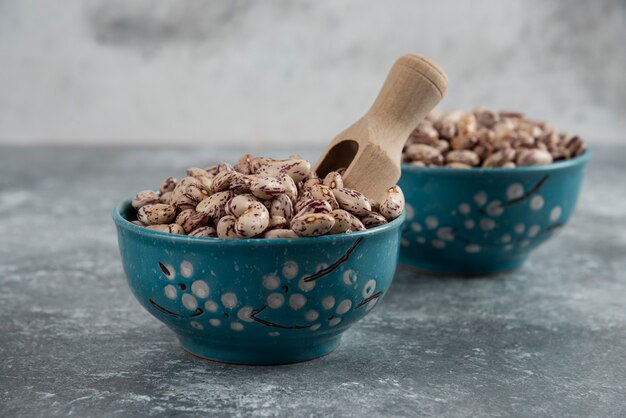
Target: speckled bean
{"points": [[343, 221], [312, 224], [314, 206], [354, 202], [373, 219], [203, 231], [240, 183], [280, 233], [239, 204], [189, 219], [323, 192], [333, 180], [533, 157], [253, 221], [156, 214], [168, 184], [463, 156], [244, 165], [277, 222], [166, 198], [188, 193], [298, 169], [267, 187], [145, 197], [393, 204], [226, 227], [213, 206], [222, 179], [171, 228], [281, 205], [424, 153]]}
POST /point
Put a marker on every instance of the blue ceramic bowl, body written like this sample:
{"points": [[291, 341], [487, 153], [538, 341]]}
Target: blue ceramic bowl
{"points": [[484, 220], [257, 301]]}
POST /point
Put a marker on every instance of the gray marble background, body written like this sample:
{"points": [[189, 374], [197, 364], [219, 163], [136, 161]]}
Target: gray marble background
{"points": [[276, 72]]}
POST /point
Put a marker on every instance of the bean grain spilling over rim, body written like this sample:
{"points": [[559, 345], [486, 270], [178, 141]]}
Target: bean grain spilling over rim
{"points": [[484, 138], [261, 198]]}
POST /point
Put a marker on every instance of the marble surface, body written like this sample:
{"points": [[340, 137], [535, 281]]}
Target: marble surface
{"points": [[282, 72], [547, 340]]}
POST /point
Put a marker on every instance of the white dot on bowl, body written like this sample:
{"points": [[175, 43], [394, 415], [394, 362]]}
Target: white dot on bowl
{"points": [[197, 325], [495, 208], [480, 198], [472, 248], [368, 289], [487, 224], [297, 301], [464, 208], [416, 227], [215, 322], [555, 213], [306, 286], [229, 299], [189, 302], [312, 315], [210, 306], [469, 224], [446, 233], [371, 304], [245, 314], [273, 333], [186, 269], [200, 288], [349, 277], [290, 269], [344, 306], [508, 247], [515, 191], [536, 202], [525, 243], [520, 228], [271, 281], [534, 230], [404, 242], [321, 267], [334, 321], [437, 243], [236, 326], [170, 291], [506, 238], [431, 222], [328, 302], [314, 327], [275, 300], [420, 240], [168, 270], [410, 212]]}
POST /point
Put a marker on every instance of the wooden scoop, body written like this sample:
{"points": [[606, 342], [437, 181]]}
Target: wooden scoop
{"points": [[371, 149]]}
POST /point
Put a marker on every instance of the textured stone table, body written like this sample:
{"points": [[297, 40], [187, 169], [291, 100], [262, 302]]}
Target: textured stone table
{"points": [[547, 340]]}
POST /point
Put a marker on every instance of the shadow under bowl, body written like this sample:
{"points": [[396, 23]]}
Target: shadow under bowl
{"points": [[257, 301], [484, 220]]}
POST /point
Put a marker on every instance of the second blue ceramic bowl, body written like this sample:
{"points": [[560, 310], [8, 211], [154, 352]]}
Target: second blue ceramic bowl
{"points": [[257, 301], [484, 220]]}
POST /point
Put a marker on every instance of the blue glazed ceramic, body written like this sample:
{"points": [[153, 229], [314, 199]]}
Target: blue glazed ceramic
{"points": [[484, 220], [258, 301]]}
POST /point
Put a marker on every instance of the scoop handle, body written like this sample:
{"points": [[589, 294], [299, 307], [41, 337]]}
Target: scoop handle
{"points": [[414, 86]]}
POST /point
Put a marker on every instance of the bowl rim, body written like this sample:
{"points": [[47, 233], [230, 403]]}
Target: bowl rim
{"points": [[581, 159], [122, 222]]}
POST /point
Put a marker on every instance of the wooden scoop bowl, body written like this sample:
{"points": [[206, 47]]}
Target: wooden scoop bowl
{"points": [[371, 149]]}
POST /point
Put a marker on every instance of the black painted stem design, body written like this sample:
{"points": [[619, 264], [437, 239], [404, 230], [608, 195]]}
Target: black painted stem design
{"points": [[273, 324], [364, 301], [329, 269]]}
